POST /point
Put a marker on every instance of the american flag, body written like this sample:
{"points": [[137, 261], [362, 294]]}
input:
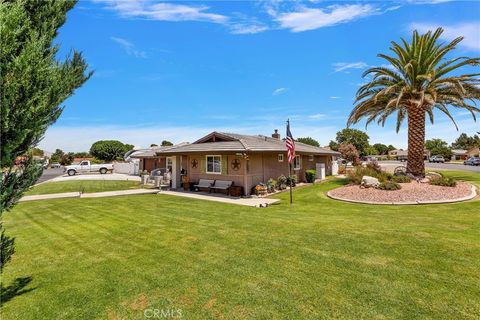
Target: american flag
{"points": [[290, 144]]}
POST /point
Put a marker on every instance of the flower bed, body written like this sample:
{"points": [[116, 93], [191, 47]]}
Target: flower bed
{"points": [[410, 193]]}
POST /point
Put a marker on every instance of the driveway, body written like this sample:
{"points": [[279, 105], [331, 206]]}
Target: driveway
{"points": [[49, 174], [391, 165], [96, 176]]}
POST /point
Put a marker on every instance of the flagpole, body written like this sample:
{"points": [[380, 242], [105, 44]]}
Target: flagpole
{"points": [[290, 169], [290, 178]]}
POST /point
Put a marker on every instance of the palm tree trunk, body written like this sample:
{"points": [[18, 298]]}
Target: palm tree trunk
{"points": [[416, 141]]}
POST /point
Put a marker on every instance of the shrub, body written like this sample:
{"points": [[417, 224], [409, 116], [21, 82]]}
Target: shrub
{"points": [[374, 166], [293, 180], [389, 185], [342, 169], [401, 179], [271, 185], [310, 175], [355, 176], [282, 182], [443, 181]]}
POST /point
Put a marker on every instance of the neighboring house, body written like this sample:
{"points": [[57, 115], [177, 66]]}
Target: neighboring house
{"points": [[246, 160], [402, 155], [459, 154], [473, 152]]}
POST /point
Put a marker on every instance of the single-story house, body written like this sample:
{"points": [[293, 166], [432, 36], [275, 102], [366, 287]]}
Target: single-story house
{"points": [[459, 154], [247, 160], [402, 155]]}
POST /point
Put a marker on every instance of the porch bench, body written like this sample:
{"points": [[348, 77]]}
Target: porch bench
{"points": [[204, 184], [222, 185]]}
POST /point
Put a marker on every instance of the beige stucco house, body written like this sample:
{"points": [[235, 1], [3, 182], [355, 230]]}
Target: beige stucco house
{"points": [[244, 159]]}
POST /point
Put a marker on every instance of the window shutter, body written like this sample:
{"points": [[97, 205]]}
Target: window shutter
{"points": [[224, 165], [203, 165]]}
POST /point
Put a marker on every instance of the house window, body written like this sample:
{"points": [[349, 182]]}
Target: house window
{"points": [[297, 163], [214, 164], [280, 157], [310, 157]]}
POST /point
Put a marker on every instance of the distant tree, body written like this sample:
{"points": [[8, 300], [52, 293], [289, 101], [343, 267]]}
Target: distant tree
{"points": [[371, 151], [166, 143], [33, 86], [37, 152], [381, 148], [67, 159], [309, 141], [57, 155], [153, 145], [109, 150], [354, 136], [129, 147], [333, 145], [432, 144], [391, 148], [466, 142], [444, 151], [82, 154], [349, 153]]}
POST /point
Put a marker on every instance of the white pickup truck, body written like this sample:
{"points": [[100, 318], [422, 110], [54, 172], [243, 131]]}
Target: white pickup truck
{"points": [[85, 166]]}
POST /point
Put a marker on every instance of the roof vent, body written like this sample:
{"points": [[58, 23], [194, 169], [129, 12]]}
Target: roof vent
{"points": [[276, 135]]}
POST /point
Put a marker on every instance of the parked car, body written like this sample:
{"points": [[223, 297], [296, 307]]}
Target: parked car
{"points": [[55, 165], [437, 159], [473, 161], [85, 166]]}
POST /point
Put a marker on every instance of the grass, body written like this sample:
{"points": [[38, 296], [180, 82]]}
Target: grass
{"points": [[114, 257], [86, 186]]}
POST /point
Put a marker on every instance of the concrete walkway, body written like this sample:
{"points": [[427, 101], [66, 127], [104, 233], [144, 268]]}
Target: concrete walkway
{"points": [[251, 202], [88, 195]]}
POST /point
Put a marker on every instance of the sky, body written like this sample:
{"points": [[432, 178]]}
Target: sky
{"points": [[179, 70]]}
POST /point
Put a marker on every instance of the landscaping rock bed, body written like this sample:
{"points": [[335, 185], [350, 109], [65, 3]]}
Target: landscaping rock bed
{"points": [[411, 193]]}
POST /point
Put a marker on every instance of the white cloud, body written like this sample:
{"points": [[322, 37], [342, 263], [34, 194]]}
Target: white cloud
{"points": [[342, 66], [240, 28], [279, 91], [334, 97], [317, 116], [313, 18], [163, 11], [129, 47], [469, 30], [428, 1]]}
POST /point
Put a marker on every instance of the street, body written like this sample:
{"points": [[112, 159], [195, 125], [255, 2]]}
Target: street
{"points": [[391, 165], [49, 174]]}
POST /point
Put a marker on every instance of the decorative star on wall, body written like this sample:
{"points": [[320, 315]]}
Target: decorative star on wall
{"points": [[194, 163], [236, 164]]}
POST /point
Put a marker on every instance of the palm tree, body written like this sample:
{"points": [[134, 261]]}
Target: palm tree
{"points": [[417, 81]]}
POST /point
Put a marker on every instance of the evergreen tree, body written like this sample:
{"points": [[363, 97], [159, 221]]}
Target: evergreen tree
{"points": [[33, 84], [309, 141]]}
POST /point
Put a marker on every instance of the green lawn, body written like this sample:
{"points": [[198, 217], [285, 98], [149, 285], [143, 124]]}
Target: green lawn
{"points": [[114, 257], [86, 186]]}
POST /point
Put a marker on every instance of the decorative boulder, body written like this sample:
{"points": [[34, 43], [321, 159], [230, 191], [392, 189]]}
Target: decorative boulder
{"points": [[368, 182]]}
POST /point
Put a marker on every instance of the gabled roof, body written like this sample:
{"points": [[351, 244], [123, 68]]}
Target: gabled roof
{"points": [[233, 142]]}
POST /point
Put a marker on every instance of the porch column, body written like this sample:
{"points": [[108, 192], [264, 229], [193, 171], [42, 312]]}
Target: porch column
{"points": [[176, 178]]}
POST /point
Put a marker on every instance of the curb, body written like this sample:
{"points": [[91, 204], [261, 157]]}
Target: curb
{"points": [[472, 195]]}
